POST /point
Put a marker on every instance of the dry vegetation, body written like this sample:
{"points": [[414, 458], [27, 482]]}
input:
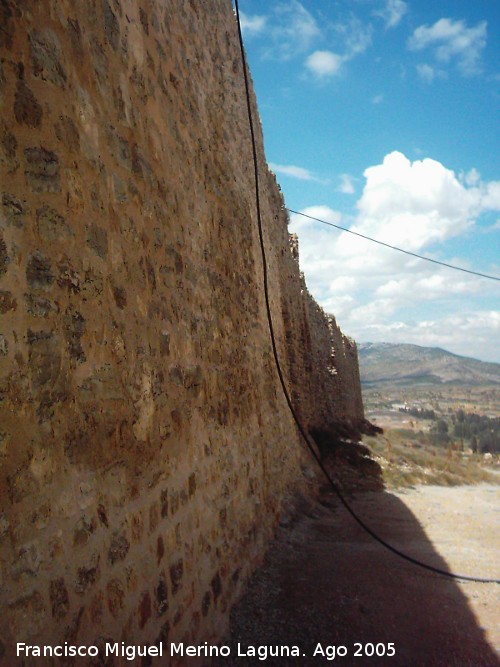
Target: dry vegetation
{"points": [[406, 451], [407, 460]]}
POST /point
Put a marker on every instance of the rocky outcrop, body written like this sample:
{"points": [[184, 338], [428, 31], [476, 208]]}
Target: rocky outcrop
{"points": [[145, 445]]}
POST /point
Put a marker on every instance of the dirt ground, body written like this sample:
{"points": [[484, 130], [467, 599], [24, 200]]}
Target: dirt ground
{"points": [[326, 582]]}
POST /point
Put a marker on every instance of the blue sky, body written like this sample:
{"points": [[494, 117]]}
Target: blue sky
{"points": [[382, 116]]}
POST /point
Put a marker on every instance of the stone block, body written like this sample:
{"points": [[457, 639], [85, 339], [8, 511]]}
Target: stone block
{"points": [[119, 189], [8, 149], [13, 211], [154, 517], [69, 278], [44, 358], [39, 306], [101, 513], [115, 593], [176, 575], [38, 272], [111, 25], [205, 603], [46, 57], [59, 599], [27, 109], [83, 530], [67, 132], [119, 548], [216, 586], [192, 484], [74, 32], [136, 527], [164, 504], [98, 240], [52, 226], [4, 346], [144, 611], [120, 296], [42, 170], [86, 576], [74, 328], [4, 256], [7, 302], [27, 562], [27, 615], [160, 549]]}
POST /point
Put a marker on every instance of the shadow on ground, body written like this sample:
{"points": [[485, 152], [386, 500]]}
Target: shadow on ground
{"points": [[325, 581]]}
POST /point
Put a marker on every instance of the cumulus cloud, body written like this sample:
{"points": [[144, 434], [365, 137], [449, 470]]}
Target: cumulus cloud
{"points": [[354, 36], [380, 294], [414, 204], [428, 73], [468, 333], [324, 64], [491, 196], [472, 177], [346, 184], [292, 170], [252, 25], [294, 30], [452, 41], [392, 12]]}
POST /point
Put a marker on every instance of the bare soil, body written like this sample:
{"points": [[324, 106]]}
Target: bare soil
{"points": [[325, 581]]}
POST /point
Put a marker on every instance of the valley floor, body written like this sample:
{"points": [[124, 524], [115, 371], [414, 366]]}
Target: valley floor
{"points": [[326, 582]]}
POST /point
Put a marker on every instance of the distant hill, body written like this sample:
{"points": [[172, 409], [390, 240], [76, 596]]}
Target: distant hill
{"points": [[409, 364]]}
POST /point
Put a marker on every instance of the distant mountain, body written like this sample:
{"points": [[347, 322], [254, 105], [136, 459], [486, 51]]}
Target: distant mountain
{"points": [[409, 364]]}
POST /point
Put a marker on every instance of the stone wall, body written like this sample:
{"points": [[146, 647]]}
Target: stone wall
{"points": [[146, 449]]}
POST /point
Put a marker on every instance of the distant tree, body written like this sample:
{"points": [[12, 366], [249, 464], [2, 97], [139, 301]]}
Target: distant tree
{"points": [[441, 427], [441, 436]]}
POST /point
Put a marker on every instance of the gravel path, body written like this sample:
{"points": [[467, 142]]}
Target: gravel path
{"points": [[325, 582]]}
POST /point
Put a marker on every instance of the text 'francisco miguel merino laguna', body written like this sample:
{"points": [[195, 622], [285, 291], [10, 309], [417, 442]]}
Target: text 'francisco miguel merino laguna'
{"points": [[131, 652]]}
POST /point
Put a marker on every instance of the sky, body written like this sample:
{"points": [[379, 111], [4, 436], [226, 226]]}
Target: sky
{"points": [[382, 116]]}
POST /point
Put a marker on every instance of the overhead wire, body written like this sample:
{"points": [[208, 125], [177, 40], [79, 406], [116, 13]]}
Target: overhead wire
{"points": [[393, 247], [293, 412]]}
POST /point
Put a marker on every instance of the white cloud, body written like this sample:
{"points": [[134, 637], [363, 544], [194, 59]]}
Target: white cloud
{"points": [[292, 170], [346, 184], [472, 177], [294, 30], [393, 12], [439, 284], [321, 212], [324, 64], [491, 196], [343, 284], [468, 333], [428, 73], [377, 99], [380, 294], [355, 36], [488, 192], [414, 204], [252, 25], [452, 40]]}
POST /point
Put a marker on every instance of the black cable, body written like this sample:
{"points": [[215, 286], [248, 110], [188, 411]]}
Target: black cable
{"points": [[393, 247], [278, 365]]}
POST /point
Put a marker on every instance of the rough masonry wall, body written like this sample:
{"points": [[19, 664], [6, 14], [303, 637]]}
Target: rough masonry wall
{"points": [[322, 362], [145, 446]]}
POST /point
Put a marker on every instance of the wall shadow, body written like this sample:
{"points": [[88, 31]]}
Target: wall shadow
{"points": [[325, 581]]}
